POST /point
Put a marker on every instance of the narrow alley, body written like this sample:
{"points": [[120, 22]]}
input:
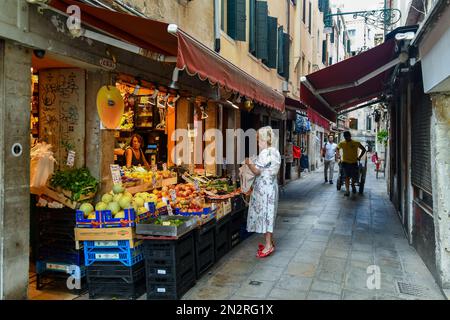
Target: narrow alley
{"points": [[325, 243]]}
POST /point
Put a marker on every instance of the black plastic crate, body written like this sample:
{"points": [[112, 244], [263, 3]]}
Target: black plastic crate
{"points": [[115, 290], [55, 215], [236, 220], [221, 241], [161, 269], [204, 247], [113, 270], [115, 280], [237, 203], [169, 290], [62, 255], [169, 250]]}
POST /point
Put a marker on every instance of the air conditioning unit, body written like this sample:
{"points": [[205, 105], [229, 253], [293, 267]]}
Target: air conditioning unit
{"points": [[285, 86]]}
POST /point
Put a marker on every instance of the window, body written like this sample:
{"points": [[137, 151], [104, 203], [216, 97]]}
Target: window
{"points": [[369, 123], [353, 124], [252, 28], [261, 15], [324, 51], [304, 11], [235, 24], [310, 16], [351, 32]]}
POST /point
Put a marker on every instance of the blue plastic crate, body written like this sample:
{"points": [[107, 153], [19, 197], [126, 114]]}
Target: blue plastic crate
{"points": [[129, 219], [83, 222], [110, 244], [126, 255]]}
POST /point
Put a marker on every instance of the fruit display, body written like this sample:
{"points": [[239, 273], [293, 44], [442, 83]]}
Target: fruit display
{"points": [[117, 201], [133, 173], [173, 222]]}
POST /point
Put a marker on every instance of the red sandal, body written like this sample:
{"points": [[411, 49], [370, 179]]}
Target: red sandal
{"points": [[260, 254]]}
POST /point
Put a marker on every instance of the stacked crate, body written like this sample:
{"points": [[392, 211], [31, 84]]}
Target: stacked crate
{"points": [[221, 242], [115, 268], [204, 247], [57, 256], [170, 267]]}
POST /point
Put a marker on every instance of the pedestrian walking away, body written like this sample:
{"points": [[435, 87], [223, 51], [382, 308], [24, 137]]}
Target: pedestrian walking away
{"points": [[264, 198], [329, 155], [350, 160]]}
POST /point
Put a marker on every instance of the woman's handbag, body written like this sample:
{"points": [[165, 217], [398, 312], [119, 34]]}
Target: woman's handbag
{"points": [[247, 178]]}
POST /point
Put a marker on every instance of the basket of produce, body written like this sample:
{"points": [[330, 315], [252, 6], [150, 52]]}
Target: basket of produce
{"points": [[170, 226]]}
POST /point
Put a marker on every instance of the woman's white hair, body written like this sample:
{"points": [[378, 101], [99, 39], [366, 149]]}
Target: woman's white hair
{"points": [[267, 135]]}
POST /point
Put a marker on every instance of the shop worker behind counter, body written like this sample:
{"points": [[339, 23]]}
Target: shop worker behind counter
{"points": [[134, 154], [350, 160]]}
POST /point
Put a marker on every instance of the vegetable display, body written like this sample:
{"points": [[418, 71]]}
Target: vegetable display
{"points": [[78, 181]]}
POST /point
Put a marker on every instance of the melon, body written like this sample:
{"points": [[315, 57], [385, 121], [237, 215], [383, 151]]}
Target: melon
{"points": [[126, 193], [125, 202], [87, 208], [139, 201], [117, 197], [117, 188], [107, 198], [114, 207], [120, 215], [101, 206]]}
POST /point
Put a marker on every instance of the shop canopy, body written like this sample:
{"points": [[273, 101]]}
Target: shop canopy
{"points": [[351, 81], [191, 55]]}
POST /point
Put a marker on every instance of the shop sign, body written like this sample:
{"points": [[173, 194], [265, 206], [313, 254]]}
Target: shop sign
{"points": [[71, 158], [108, 64], [115, 173]]}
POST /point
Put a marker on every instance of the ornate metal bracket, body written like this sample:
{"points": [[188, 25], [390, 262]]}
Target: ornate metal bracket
{"points": [[383, 18]]}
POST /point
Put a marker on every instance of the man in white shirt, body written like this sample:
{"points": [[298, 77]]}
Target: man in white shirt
{"points": [[329, 153]]}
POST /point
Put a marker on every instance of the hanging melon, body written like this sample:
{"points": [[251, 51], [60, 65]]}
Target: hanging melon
{"points": [[110, 106]]}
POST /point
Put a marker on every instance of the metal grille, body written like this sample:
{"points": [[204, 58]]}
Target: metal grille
{"points": [[421, 112], [411, 289]]}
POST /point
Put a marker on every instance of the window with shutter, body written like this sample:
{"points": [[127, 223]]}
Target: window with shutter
{"points": [[272, 42], [324, 51], [236, 19], [286, 53], [261, 30], [348, 45], [309, 18], [332, 35], [252, 29], [304, 11], [330, 62], [280, 66]]}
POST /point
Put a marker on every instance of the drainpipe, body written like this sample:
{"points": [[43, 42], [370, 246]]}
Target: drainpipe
{"points": [[217, 25]]}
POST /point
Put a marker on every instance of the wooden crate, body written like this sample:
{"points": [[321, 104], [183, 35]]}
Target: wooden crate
{"points": [[140, 188], [60, 197]]}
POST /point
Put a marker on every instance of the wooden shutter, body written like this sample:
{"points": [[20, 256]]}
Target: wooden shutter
{"points": [[252, 36], [272, 42], [261, 30], [280, 67], [287, 47], [236, 19]]}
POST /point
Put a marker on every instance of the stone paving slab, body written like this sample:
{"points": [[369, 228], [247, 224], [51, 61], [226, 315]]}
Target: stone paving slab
{"points": [[325, 244]]}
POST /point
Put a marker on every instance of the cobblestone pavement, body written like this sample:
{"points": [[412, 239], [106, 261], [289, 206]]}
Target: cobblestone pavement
{"points": [[325, 243]]}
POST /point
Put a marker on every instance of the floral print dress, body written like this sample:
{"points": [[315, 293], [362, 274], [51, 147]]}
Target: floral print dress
{"points": [[264, 199]]}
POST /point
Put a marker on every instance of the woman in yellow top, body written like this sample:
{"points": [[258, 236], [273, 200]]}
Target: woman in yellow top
{"points": [[350, 160]]}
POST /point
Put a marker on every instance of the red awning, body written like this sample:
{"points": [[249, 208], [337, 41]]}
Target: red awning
{"points": [[192, 56], [349, 82], [317, 119]]}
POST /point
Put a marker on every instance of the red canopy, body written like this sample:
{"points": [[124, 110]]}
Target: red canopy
{"points": [[192, 56], [317, 119], [349, 82]]}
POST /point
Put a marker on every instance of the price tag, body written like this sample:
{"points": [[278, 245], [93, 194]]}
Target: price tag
{"points": [[153, 181], [197, 187], [115, 173], [71, 158], [154, 168], [161, 271], [164, 166], [173, 195], [169, 207]]}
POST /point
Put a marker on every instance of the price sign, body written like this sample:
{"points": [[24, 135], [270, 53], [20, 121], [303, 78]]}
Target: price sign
{"points": [[71, 158], [154, 168], [164, 166], [197, 187], [153, 181], [169, 207], [173, 194], [115, 173]]}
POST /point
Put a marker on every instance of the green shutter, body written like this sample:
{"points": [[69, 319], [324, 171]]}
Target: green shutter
{"points": [[287, 47], [348, 45], [261, 30], [332, 35], [252, 37], [324, 51], [231, 18], [280, 67], [241, 20], [310, 17], [272, 42]]}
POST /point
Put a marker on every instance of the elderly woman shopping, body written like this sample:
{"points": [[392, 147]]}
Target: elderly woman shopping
{"points": [[264, 199]]}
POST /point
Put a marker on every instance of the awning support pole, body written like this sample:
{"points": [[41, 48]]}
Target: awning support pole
{"points": [[306, 82], [361, 106]]}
